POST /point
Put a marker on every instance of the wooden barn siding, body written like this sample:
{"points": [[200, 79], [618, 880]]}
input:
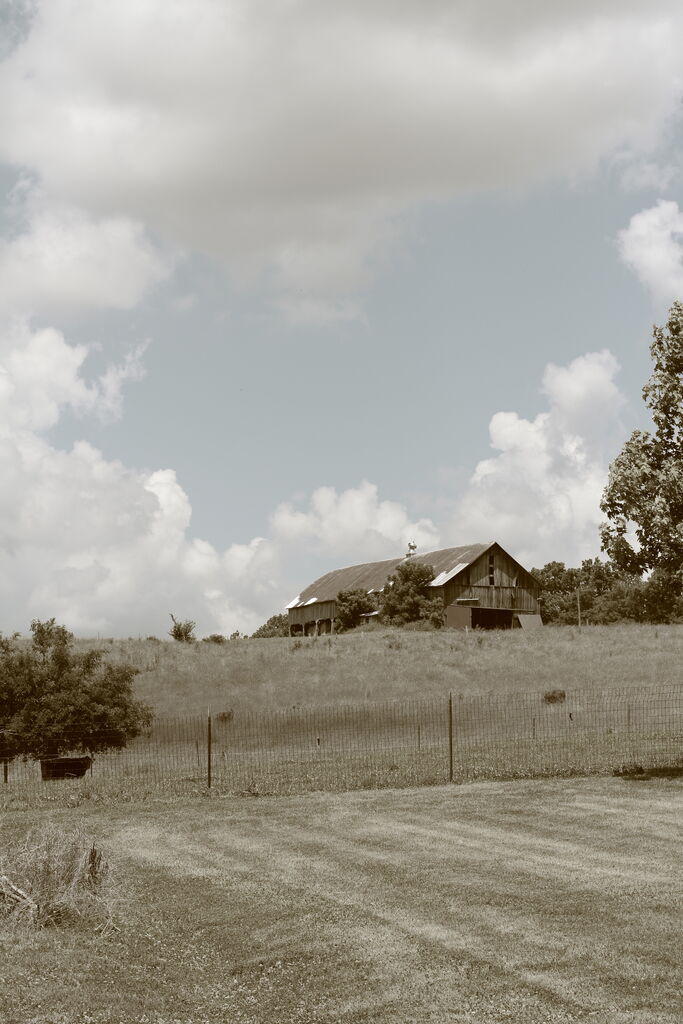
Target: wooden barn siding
{"points": [[311, 612], [513, 598], [522, 598]]}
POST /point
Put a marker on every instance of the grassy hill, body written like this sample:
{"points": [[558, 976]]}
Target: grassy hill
{"points": [[386, 664]]}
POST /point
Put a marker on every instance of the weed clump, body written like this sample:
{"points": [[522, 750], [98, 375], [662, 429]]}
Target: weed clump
{"points": [[54, 877]]}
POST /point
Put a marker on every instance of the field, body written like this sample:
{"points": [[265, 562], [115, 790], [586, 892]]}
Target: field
{"points": [[531, 902], [557, 702], [384, 664]]}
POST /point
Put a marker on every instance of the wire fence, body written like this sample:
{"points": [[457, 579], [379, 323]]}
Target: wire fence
{"points": [[456, 738]]}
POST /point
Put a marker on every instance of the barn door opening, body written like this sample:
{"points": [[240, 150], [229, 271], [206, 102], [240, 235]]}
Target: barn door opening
{"points": [[491, 618]]}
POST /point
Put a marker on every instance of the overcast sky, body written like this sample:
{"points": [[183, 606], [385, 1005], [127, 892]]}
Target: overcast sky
{"points": [[286, 285]]}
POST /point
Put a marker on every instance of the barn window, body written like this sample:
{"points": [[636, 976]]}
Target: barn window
{"points": [[491, 576]]}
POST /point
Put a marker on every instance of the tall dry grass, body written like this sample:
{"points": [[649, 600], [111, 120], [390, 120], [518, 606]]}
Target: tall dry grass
{"points": [[52, 876], [386, 664]]}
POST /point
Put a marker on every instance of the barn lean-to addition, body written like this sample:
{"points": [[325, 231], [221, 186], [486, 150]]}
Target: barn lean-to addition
{"points": [[481, 585]]}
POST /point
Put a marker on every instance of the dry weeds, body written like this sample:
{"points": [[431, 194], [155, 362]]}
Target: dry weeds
{"points": [[52, 876]]}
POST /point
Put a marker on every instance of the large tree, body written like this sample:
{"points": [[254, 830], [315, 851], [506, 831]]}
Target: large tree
{"points": [[643, 500], [407, 598], [351, 605], [54, 700]]}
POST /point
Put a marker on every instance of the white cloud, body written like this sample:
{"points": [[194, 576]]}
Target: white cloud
{"points": [[352, 524], [291, 139], [651, 246], [539, 497], [106, 548], [648, 175], [66, 261], [40, 377]]}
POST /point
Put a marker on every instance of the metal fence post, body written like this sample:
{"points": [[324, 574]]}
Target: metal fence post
{"points": [[450, 736], [208, 749]]}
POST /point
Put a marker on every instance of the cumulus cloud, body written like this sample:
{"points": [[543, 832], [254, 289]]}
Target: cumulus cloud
{"points": [[66, 261], [291, 139], [352, 524], [651, 246], [40, 377], [540, 495], [99, 545], [106, 548]]}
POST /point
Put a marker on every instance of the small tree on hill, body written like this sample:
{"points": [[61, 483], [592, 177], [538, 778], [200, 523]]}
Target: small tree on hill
{"points": [[54, 700], [277, 625], [182, 631], [407, 598], [351, 604], [644, 494]]}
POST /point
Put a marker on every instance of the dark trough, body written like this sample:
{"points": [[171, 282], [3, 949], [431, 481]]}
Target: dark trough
{"points": [[64, 767]]}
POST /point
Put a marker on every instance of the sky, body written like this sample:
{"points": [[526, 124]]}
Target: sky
{"points": [[285, 286]]}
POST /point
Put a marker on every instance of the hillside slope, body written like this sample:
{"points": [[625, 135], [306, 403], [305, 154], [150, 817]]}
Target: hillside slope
{"points": [[392, 664]]}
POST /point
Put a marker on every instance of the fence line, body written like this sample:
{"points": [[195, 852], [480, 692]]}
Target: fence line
{"points": [[456, 738]]}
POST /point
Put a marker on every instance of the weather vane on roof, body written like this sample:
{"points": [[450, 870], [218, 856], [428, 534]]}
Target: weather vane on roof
{"points": [[412, 548]]}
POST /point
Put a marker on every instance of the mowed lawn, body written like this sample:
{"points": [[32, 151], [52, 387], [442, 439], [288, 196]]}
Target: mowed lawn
{"points": [[553, 900]]}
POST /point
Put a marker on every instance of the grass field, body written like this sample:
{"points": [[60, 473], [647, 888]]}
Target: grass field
{"points": [[546, 901], [379, 745], [392, 664]]}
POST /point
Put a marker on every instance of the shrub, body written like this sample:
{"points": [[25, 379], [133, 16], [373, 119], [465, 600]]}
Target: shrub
{"points": [[182, 631], [214, 638], [53, 700], [277, 625], [53, 876], [351, 604]]}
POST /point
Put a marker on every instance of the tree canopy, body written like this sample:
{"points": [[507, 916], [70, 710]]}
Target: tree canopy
{"points": [[406, 596], [643, 499], [54, 700], [277, 625], [351, 604]]}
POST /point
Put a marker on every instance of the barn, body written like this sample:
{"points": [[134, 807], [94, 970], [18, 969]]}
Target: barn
{"points": [[482, 587]]}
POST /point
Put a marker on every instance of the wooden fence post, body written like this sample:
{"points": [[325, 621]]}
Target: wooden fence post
{"points": [[208, 749], [450, 736]]}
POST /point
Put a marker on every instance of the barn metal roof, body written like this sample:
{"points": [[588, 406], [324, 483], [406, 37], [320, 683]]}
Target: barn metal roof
{"points": [[447, 563]]}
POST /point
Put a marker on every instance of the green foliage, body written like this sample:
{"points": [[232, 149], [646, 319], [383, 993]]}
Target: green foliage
{"points": [[182, 631], [594, 580], [406, 596], [351, 604], [214, 638], [277, 625], [624, 602], [53, 700], [607, 593], [644, 494]]}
